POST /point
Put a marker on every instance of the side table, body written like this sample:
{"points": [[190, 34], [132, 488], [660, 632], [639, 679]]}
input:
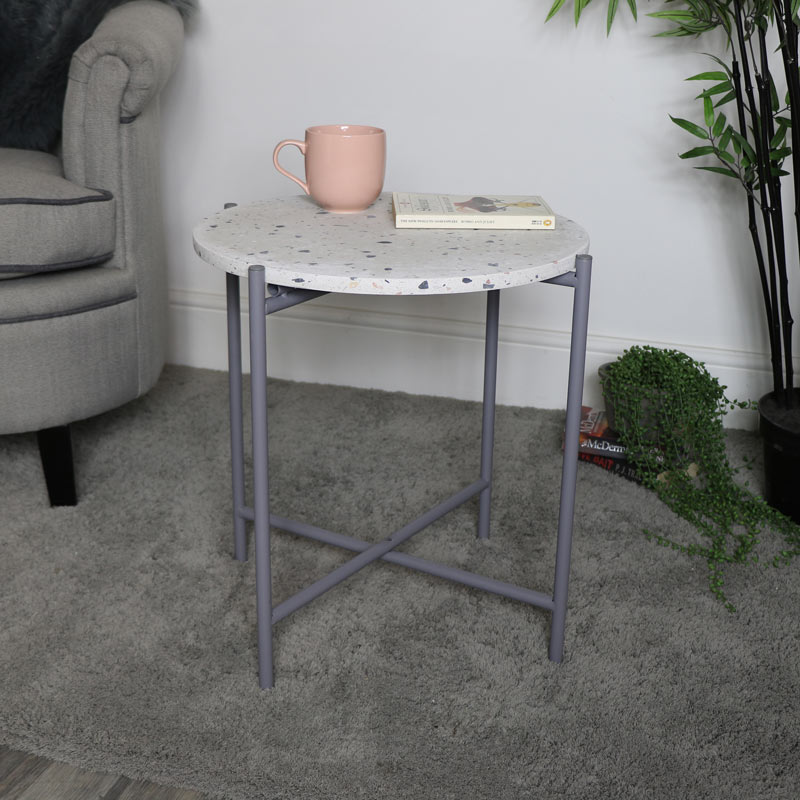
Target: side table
{"points": [[292, 251]]}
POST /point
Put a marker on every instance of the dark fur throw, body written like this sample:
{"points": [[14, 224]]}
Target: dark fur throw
{"points": [[37, 40]]}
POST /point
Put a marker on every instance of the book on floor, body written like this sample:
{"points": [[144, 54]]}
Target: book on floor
{"points": [[598, 444], [520, 212]]}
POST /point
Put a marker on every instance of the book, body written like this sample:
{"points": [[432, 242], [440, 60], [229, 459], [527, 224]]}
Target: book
{"points": [[596, 436], [472, 211], [617, 466], [598, 444]]}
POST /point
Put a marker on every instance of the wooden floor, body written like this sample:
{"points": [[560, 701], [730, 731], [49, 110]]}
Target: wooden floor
{"points": [[26, 777]]}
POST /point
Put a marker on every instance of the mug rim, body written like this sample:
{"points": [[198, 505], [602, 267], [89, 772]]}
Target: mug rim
{"points": [[345, 130]]}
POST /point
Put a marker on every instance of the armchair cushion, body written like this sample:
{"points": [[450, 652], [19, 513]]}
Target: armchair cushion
{"points": [[48, 223]]}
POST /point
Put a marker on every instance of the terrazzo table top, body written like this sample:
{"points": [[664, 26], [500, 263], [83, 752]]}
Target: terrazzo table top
{"points": [[300, 245]]}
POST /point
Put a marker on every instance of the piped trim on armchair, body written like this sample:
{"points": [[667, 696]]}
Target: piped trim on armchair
{"points": [[102, 197], [79, 310], [24, 269]]}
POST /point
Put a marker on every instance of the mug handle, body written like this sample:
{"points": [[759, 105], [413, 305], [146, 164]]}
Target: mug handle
{"points": [[302, 147]]}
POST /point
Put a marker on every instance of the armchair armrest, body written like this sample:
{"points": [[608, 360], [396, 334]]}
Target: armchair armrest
{"points": [[114, 78], [147, 36]]}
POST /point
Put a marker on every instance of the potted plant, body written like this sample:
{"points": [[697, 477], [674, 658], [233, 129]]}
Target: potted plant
{"points": [[668, 410], [750, 128]]}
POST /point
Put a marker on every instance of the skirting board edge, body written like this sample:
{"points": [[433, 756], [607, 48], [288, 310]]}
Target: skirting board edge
{"points": [[330, 343]]}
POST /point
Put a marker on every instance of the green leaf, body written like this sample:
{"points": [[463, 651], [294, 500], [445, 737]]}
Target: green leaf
{"points": [[673, 16], [725, 86], [693, 128], [708, 111], [773, 93], [673, 32], [719, 126], [710, 76], [746, 146], [725, 156], [726, 138], [721, 62], [778, 138], [687, 22], [634, 11], [556, 7], [782, 152], [720, 171], [612, 12], [705, 150], [728, 97]]}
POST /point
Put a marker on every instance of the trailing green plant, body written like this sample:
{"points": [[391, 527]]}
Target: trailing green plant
{"points": [[669, 410], [753, 141]]}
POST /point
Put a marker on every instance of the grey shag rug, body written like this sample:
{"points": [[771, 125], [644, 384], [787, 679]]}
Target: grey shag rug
{"points": [[127, 641]]}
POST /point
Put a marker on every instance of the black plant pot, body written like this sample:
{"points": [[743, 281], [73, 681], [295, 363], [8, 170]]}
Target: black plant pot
{"points": [[780, 431]]}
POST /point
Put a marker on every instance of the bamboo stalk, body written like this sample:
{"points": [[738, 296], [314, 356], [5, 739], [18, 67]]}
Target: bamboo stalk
{"points": [[752, 223], [767, 130], [788, 33], [768, 277]]}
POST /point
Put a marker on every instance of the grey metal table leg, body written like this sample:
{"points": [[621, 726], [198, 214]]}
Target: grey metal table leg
{"points": [[569, 473], [237, 435], [258, 394], [489, 395]]}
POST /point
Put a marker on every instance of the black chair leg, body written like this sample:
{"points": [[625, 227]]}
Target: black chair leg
{"points": [[55, 448]]}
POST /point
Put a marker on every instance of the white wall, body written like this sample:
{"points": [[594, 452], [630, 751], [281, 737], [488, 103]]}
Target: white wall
{"points": [[475, 96]]}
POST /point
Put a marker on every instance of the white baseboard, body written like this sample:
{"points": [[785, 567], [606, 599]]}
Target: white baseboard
{"points": [[331, 343]]}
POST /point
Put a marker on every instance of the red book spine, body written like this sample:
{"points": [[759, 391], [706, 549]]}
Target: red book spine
{"points": [[616, 465]]}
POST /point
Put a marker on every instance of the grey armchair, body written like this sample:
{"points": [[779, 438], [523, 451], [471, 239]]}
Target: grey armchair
{"points": [[83, 300]]}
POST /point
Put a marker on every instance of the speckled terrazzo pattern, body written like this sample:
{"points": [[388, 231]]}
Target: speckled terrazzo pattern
{"points": [[301, 245]]}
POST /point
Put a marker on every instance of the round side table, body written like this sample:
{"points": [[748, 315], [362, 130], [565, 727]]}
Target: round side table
{"points": [[292, 251]]}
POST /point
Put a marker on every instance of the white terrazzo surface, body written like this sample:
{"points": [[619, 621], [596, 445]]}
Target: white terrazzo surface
{"points": [[302, 246]]}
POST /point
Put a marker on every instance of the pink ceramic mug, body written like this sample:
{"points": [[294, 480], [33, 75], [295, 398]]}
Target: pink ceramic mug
{"points": [[345, 165]]}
